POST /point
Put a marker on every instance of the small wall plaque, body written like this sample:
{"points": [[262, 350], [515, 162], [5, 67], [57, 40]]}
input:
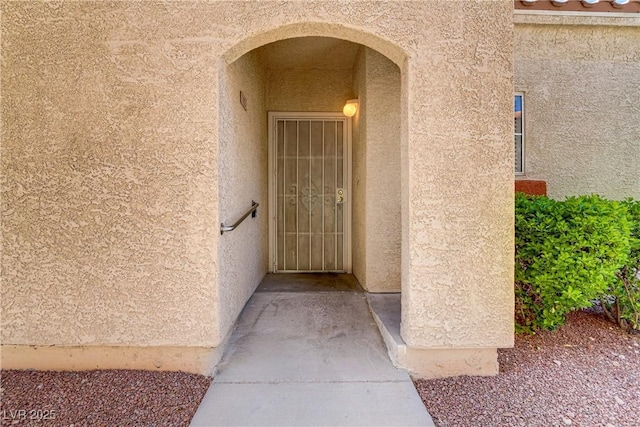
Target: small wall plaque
{"points": [[243, 101]]}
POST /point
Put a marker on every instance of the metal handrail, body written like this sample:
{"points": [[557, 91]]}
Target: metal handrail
{"points": [[252, 211]]}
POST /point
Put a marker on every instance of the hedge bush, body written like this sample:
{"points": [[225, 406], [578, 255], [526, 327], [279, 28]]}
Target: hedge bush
{"points": [[567, 255], [622, 301]]}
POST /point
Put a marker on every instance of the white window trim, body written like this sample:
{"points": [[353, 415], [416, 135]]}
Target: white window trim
{"points": [[523, 145]]}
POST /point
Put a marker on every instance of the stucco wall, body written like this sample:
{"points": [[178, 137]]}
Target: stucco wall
{"points": [[359, 172], [110, 128], [376, 173], [582, 116], [243, 162], [108, 179], [300, 89], [457, 186], [383, 202]]}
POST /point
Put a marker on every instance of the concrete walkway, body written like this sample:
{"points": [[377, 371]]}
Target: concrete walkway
{"points": [[300, 357]]}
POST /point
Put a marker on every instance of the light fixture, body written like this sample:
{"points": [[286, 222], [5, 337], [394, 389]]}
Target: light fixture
{"points": [[350, 108]]}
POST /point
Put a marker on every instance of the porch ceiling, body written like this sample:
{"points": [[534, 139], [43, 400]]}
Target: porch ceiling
{"points": [[309, 52]]}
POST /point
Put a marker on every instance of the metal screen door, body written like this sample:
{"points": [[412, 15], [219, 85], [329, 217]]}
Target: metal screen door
{"points": [[309, 179]]}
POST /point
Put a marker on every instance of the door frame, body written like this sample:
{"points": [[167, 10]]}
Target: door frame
{"points": [[276, 115]]}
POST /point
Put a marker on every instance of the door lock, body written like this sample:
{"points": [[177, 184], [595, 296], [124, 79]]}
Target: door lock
{"points": [[340, 195]]}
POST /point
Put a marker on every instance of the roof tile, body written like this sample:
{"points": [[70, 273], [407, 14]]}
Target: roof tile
{"points": [[630, 6]]}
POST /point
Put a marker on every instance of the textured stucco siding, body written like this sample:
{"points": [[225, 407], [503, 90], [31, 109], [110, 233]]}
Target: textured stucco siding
{"points": [[383, 201], [243, 162], [359, 171], [376, 176], [108, 178], [582, 111], [457, 255], [113, 163], [301, 89]]}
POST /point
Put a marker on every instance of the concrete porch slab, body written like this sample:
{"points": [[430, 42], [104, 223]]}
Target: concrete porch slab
{"points": [[309, 359], [309, 282], [306, 337], [313, 404]]}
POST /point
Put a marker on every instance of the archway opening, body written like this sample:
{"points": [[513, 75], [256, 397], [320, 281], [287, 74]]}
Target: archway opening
{"points": [[320, 211]]}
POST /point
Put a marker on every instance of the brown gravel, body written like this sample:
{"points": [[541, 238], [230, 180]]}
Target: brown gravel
{"points": [[100, 398], [587, 373]]}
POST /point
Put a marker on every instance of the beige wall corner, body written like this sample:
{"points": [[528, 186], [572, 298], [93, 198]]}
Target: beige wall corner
{"points": [[457, 254], [197, 360]]}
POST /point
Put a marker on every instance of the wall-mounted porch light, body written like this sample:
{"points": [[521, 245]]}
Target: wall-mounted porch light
{"points": [[350, 108]]}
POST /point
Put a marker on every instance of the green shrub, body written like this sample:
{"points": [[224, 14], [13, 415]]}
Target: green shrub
{"points": [[622, 301], [567, 254]]}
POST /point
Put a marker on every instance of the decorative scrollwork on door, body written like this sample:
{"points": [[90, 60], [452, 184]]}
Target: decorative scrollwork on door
{"points": [[309, 196]]}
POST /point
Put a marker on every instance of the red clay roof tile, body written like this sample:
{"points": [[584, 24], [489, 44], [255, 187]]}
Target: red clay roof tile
{"points": [[627, 6]]}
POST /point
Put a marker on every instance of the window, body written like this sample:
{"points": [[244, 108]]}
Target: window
{"points": [[519, 132]]}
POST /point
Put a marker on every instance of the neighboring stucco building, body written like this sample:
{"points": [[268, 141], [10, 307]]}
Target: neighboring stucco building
{"points": [[579, 71], [132, 130]]}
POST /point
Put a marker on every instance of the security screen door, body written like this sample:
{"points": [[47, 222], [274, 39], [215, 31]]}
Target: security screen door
{"points": [[309, 191]]}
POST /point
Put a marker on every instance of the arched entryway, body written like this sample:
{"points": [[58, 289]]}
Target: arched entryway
{"points": [[329, 186], [420, 225]]}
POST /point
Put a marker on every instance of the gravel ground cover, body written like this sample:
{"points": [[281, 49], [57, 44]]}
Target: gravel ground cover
{"points": [[587, 373], [100, 398]]}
